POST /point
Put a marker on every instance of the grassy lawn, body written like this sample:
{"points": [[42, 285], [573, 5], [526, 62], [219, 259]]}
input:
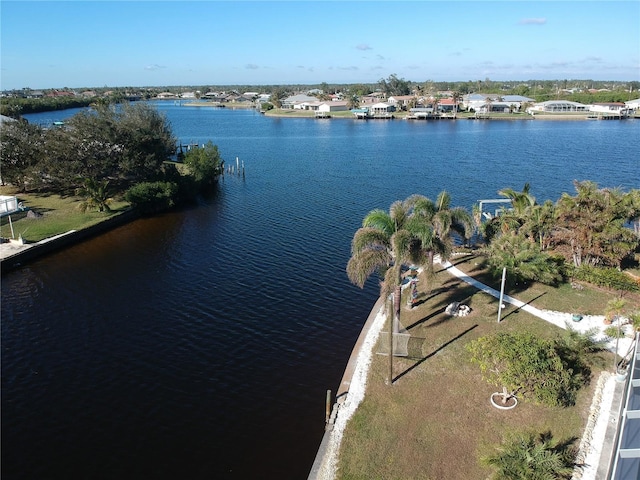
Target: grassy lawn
{"points": [[588, 301], [59, 215], [436, 421]]}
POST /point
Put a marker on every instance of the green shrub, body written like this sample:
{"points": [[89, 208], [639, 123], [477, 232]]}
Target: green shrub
{"points": [[606, 277], [528, 366], [151, 197]]}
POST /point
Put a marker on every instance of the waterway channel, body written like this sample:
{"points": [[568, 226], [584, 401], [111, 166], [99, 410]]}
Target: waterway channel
{"points": [[200, 343]]}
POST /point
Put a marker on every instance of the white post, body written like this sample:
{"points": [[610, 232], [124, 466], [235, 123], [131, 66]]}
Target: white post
{"points": [[504, 276], [11, 225]]}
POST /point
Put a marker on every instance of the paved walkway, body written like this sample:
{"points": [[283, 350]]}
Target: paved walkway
{"points": [[559, 319]]}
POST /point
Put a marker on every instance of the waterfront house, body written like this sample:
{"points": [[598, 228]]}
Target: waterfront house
{"points": [[633, 104], [615, 107], [332, 106], [401, 102], [381, 109], [298, 102], [557, 106], [165, 95], [421, 112], [479, 101]]}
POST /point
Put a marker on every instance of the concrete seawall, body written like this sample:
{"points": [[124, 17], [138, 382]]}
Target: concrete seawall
{"points": [[30, 251], [320, 469]]}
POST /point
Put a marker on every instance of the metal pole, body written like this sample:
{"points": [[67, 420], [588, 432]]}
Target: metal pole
{"points": [[504, 276]]}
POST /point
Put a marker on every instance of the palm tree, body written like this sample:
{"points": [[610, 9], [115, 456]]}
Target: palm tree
{"points": [[520, 201], [96, 195], [440, 219], [531, 456], [353, 101], [384, 244], [488, 102], [523, 258], [456, 98], [539, 223], [590, 226], [435, 102]]}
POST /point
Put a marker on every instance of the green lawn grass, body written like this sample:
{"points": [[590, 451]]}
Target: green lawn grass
{"points": [[59, 214], [436, 421]]}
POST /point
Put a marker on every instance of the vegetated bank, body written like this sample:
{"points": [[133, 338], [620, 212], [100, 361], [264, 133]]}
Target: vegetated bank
{"points": [[106, 166]]}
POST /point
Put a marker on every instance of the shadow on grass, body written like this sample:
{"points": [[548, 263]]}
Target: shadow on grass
{"points": [[518, 309], [424, 359]]}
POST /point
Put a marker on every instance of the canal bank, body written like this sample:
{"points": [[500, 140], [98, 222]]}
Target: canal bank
{"points": [[14, 254], [349, 394]]}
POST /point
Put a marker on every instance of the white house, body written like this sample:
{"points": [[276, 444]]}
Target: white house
{"points": [[332, 106], [633, 104], [557, 106], [298, 102], [381, 108], [616, 107]]}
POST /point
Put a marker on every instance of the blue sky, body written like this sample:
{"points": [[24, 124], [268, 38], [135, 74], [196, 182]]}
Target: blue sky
{"points": [[149, 43]]}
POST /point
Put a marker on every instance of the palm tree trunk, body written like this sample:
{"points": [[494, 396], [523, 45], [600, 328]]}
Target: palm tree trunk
{"points": [[397, 296], [390, 317]]}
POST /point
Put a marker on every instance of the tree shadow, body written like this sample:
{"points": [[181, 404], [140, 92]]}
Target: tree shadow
{"points": [[518, 309], [441, 347]]}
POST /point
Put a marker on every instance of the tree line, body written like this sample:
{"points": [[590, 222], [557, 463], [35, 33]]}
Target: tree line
{"points": [[123, 149]]}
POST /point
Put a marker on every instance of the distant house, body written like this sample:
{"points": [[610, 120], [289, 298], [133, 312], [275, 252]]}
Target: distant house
{"points": [[421, 112], [401, 101], [333, 106], [381, 108], [478, 101], [61, 93], [616, 107], [516, 101], [496, 107], [165, 95], [633, 104], [557, 106], [372, 98], [296, 102], [446, 105]]}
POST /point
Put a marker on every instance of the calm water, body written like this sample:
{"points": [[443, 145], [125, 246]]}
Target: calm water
{"points": [[200, 343]]}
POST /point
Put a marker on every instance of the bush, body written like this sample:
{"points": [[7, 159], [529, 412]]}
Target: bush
{"points": [[151, 197], [606, 277], [526, 365]]}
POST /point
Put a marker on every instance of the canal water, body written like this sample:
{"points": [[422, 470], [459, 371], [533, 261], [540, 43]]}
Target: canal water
{"points": [[200, 343]]}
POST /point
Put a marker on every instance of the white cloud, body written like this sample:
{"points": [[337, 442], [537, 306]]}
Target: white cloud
{"points": [[532, 21]]}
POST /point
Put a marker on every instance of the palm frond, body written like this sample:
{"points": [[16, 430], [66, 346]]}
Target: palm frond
{"points": [[361, 265]]}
